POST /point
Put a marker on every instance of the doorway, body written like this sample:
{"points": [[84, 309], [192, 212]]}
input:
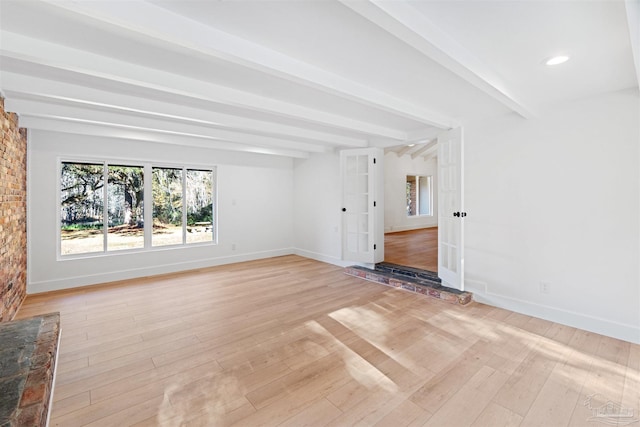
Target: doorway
{"points": [[449, 199], [364, 223], [411, 201]]}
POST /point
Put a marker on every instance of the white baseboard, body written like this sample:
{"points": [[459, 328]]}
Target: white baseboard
{"points": [[623, 331], [151, 270], [329, 259], [395, 229]]}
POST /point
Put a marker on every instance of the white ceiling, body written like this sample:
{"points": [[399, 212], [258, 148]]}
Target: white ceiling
{"points": [[291, 78]]}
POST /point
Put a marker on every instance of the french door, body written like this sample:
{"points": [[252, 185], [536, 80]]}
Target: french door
{"points": [[451, 214], [362, 205]]}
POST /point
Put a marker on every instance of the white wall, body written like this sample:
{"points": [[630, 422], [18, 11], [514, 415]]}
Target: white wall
{"points": [[318, 206], [255, 210], [556, 199], [317, 202], [396, 170]]}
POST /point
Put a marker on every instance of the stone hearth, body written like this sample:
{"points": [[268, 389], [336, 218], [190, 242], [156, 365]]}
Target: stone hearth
{"points": [[27, 366]]}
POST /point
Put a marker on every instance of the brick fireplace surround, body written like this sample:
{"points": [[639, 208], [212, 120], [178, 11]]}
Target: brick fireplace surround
{"points": [[13, 215], [28, 347]]}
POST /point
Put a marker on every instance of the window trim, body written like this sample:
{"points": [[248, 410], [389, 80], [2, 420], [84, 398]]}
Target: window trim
{"points": [[147, 166]]}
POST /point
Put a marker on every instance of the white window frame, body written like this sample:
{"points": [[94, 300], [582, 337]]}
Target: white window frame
{"points": [[147, 166]]}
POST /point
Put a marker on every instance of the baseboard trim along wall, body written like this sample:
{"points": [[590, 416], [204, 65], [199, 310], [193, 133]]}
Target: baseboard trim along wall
{"points": [[398, 229], [623, 331], [329, 259], [154, 270]]}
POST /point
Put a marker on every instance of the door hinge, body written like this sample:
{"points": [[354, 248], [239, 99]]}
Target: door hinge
{"points": [[374, 160], [375, 246], [374, 203]]}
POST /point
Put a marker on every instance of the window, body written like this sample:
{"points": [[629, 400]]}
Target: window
{"points": [[172, 190], [125, 208], [181, 207], [82, 208], [199, 206], [419, 195], [167, 207]]}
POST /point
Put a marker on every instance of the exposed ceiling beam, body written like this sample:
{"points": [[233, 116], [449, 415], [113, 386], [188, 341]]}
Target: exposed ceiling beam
{"points": [[138, 133], [632, 8], [422, 135], [88, 115], [19, 87], [60, 63], [163, 25], [424, 149], [405, 22], [404, 150], [431, 155]]}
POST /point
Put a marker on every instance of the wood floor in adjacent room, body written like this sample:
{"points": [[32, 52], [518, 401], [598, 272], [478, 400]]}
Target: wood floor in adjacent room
{"points": [[413, 248], [290, 342]]}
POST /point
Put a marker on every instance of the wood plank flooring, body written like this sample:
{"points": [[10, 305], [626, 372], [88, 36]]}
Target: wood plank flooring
{"points": [[413, 248], [292, 342]]}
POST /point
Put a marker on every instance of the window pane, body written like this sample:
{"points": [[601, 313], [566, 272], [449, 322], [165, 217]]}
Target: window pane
{"points": [[81, 208], [411, 190], [167, 207], [200, 219], [425, 195], [125, 194]]}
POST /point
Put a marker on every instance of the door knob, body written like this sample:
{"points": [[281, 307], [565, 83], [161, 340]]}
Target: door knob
{"points": [[344, 209]]}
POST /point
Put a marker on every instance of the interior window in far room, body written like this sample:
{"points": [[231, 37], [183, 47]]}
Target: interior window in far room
{"points": [[419, 195]]}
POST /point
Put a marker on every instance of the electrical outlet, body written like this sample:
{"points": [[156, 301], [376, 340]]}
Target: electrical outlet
{"points": [[233, 247], [545, 287]]}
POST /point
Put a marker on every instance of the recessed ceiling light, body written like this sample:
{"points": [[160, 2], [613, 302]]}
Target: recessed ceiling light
{"points": [[411, 145], [556, 60]]}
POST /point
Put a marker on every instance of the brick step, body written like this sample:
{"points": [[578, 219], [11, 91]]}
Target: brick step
{"points": [[408, 272], [425, 284]]}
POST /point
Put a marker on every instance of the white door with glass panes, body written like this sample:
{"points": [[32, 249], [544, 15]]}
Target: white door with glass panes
{"points": [[362, 227], [451, 214]]}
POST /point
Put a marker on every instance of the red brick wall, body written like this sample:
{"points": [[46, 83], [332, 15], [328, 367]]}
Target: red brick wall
{"points": [[13, 215]]}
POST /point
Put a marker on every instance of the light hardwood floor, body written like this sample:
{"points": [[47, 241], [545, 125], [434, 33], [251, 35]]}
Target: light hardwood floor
{"points": [[290, 342], [413, 248]]}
